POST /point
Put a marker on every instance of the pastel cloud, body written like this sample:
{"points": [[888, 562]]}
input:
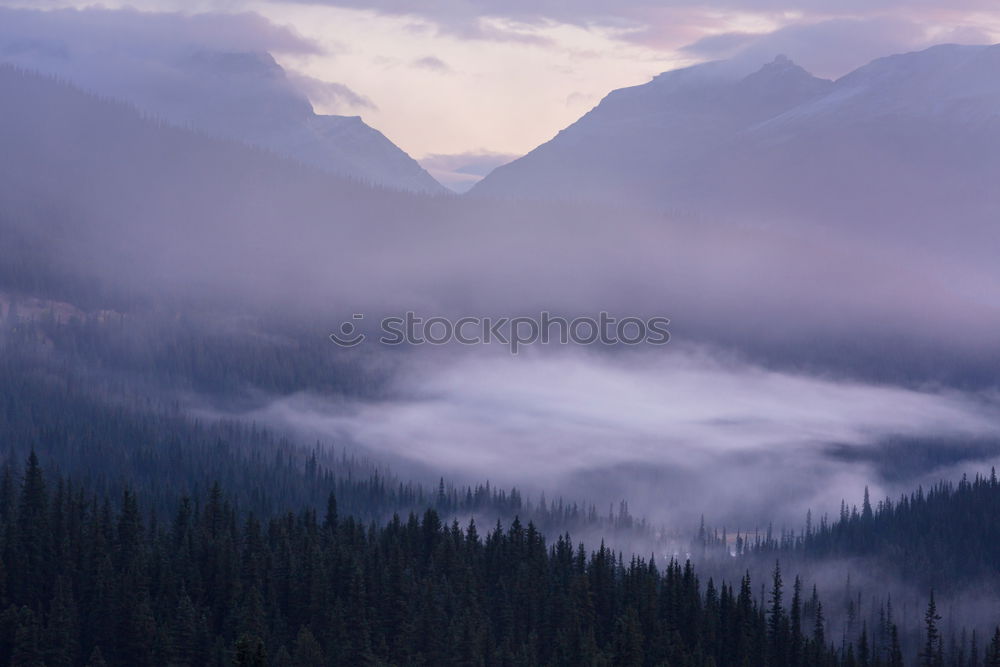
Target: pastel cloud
{"points": [[432, 63], [90, 29], [454, 14], [329, 95], [137, 55], [829, 48]]}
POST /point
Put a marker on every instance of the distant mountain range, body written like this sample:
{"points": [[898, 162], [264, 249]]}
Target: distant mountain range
{"points": [[907, 144], [103, 208], [248, 97], [90, 189], [907, 139]]}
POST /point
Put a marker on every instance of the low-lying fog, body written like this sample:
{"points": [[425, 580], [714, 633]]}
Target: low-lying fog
{"points": [[676, 432]]}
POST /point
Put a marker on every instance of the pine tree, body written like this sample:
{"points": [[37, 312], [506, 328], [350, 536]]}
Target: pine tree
{"points": [[895, 651], [628, 641], [993, 652], [27, 650], [97, 659], [819, 633], [307, 651], [33, 539], [182, 647], [249, 652], [331, 519], [776, 616], [61, 636], [930, 655], [795, 653], [864, 653]]}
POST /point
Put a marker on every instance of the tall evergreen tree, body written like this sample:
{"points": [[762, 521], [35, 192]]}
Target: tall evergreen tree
{"points": [[930, 655]]}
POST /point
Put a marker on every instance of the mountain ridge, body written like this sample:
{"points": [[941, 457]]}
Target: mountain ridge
{"points": [[663, 123], [779, 146], [249, 97]]}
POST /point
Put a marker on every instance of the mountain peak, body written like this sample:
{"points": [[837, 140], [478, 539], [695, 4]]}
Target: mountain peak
{"points": [[782, 66], [783, 78], [237, 63]]}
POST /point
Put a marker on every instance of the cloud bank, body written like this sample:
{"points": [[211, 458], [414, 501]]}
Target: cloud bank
{"points": [[151, 58], [677, 433], [830, 48]]}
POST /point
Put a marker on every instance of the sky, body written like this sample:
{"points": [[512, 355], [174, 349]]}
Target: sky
{"points": [[471, 83]]}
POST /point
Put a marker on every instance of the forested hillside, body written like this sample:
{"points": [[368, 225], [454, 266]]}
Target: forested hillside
{"points": [[89, 580], [108, 403], [120, 445], [942, 537]]}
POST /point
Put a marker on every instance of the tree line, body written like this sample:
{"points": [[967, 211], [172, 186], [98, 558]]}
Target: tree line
{"points": [[90, 580]]}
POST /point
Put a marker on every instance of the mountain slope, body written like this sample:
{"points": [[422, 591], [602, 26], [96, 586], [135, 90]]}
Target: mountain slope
{"points": [[100, 206], [247, 97], [907, 147], [646, 138], [92, 189]]}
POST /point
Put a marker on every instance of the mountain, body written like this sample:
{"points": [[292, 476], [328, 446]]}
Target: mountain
{"points": [[905, 147], [103, 208], [645, 139], [247, 97], [94, 193], [962, 79]]}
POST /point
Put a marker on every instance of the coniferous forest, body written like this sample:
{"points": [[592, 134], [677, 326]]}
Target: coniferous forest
{"points": [[88, 580], [91, 580], [134, 534]]}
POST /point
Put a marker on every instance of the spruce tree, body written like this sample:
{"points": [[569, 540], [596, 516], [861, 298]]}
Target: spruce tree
{"points": [[931, 652], [895, 651], [993, 652], [776, 641]]}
